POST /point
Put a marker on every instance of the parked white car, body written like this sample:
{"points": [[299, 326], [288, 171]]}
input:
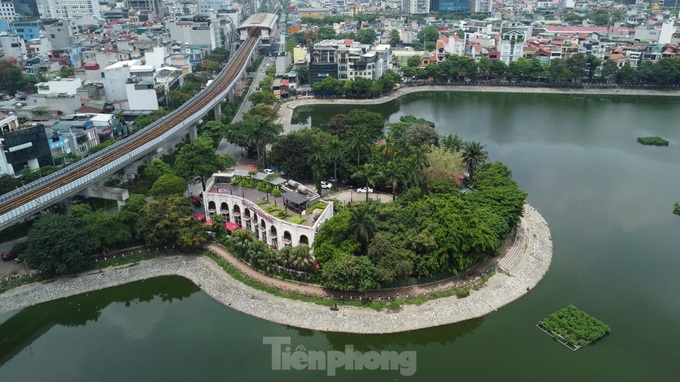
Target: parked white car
{"points": [[268, 171], [326, 185], [365, 189]]}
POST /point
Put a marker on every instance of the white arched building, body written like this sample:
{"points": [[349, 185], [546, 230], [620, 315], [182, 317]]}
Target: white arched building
{"points": [[263, 214]]}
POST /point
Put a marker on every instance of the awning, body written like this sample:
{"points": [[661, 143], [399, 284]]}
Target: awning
{"points": [[230, 226], [200, 217]]}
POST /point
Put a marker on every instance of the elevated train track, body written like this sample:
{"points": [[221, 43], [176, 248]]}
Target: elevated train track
{"points": [[50, 189]]}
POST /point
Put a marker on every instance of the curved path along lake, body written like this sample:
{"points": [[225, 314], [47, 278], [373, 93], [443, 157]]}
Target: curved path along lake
{"points": [[616, 243]]}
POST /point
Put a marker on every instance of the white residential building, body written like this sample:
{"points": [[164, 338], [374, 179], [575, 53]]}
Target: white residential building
{"points": [[7, 10], [60, 86], [13, 46], [415, 7], [511, 46], [347, 60], [65, 9], [141, 94], [155, 57], [114, 78]]}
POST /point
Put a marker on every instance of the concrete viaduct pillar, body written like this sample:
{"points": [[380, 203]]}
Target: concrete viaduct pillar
{"points": [[193, 133], [217, 111]]}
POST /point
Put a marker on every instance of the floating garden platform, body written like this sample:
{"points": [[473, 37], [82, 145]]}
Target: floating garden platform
{"points": [[653, 141], [573, 328]]}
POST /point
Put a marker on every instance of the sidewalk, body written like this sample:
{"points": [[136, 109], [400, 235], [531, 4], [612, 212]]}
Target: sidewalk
{"points": [[510, 261]]}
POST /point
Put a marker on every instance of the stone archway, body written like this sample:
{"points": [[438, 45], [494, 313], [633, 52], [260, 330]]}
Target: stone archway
{"points": [[287, 239], [237, 215]]}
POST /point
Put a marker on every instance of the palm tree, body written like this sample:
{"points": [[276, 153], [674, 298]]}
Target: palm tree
{"points": [[453, 142], [371, 174], [301, 258], [318, 160], [473, 156], [263, 131], [358, 140], [394, 175], [414, 164], [362, 225], [260, 254], [284, 256], [242, 241], [336, 152]]}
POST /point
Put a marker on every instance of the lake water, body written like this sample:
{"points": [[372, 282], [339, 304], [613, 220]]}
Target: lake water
{"points": [[609, 204]]}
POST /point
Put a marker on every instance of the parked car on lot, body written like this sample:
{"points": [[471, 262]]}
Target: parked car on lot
{"points": [[326, 185], [268, 171], [365, 189]]}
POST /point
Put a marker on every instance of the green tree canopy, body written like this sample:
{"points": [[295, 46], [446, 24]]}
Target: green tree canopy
{"points": [[168, 222], [168, 184], [366, 36], [199, 158], [60, 244]]}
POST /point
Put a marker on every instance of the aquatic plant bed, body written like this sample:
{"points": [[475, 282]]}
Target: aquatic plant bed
{"points": [[653, 141], [573, 328]]}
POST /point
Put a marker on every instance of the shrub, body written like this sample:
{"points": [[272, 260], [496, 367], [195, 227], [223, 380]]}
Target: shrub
{"points": [[283, 215], [276, 192], [298, 220], [676, 208]]}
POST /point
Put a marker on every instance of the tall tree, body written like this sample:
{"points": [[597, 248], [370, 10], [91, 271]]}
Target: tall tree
{"points": [[318, 160], [168, 222], [359, 141], [336, 153], [371, 173], [59, 244], [362, 225], [428, 34], [473, 156], [168, 185], [199, 158], [395, 38], [394, 175], [156, 169], [453, 143], [366, 36], [254, 132]]}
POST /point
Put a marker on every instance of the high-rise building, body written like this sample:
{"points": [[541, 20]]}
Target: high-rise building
{"points": [[65, 9], [151, 9], [7, 10], [27, 8], [415, 7], [452, 6]]}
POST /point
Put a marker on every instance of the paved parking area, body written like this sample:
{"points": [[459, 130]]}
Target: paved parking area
{"points": [[347, 195]]}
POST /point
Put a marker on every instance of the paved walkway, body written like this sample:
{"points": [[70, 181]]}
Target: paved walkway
{"points": [[527, 268]]}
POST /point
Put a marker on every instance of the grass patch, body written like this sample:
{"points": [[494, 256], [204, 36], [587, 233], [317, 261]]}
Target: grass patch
{"points": [[15, 282], [262, 202], [653, 141]]}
